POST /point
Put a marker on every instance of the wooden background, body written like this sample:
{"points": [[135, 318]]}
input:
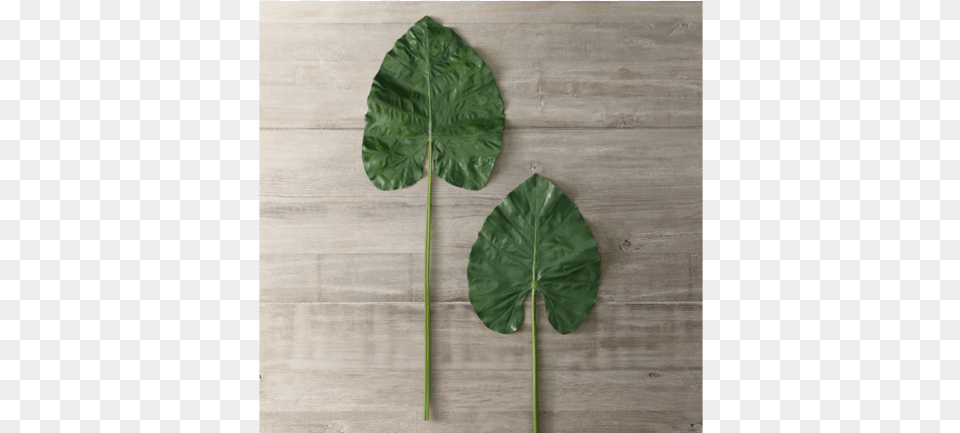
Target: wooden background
{"points": [[602, 99]]}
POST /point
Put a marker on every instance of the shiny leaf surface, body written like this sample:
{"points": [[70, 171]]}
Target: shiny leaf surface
{"points": [[535, 239], [432, 88]]}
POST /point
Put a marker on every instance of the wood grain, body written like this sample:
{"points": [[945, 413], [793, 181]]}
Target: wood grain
{"points": [[661, 167], [375, 228], [317, 337], [641, 73], [387, 277], [544, 94], [603, 99], [640, 191], [477, 12], [685, 420], [484, 390]]}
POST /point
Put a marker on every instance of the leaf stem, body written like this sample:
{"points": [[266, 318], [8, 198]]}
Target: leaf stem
{"points": [[426, 288], [426, 260], [536, 397]]}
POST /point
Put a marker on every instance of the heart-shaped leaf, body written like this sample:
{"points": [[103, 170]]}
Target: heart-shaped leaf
{"points": [[433, 100], [535, 239], [432, 88]]}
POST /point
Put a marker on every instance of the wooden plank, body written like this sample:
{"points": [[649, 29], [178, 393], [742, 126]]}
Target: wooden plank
{"points": [[537, 94], [655, 40], [478, 12], [645, 74], [303, 173], [685, 419], [634, 277], [374, 228], [324, 337], [485, 390], [639, 191], [599, 168]]}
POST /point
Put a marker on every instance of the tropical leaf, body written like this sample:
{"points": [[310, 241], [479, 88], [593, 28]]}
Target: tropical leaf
{"points": [[432, 88], [433, 100], [534, 241]]}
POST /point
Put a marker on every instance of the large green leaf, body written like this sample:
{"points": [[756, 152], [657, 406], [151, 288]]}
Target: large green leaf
{"points": [[432, 88], [534, 240], [432, 101]]}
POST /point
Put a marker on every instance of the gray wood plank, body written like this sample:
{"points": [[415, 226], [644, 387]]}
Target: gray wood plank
{"points": [[305, 173], [598, 168], [324, 337], [478, 12], [684, 419], [634, 277], [485, 390], [644, 74], [359, 367], [382, 228], [653, 39], [537, 94], [639, 191]]}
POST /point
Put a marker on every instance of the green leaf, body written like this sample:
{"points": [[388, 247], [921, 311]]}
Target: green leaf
{"points": [[433, 100], [432, 88], [535, 239]]}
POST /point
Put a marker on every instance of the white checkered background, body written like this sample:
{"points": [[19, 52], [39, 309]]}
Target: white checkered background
{"points": [[831, 168], [128, 216]]}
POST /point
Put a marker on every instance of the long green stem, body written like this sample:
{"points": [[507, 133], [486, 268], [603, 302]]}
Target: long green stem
{"points": [[426, 259], [536, 397], [426, 289]]}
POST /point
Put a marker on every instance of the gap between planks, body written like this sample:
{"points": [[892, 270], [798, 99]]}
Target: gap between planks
{"points": [[464, 303], [509, 128]]}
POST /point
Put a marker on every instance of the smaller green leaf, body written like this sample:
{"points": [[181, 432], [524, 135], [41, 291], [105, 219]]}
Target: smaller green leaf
{"points": [[534, 240]]}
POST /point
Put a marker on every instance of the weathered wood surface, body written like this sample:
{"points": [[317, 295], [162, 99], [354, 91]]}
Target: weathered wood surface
{"points": [[517, 421], [639, 190], [388, 277], [598, 166], [328, 337], [641, 70], [478, 12], [484, 390], [602, 99]]}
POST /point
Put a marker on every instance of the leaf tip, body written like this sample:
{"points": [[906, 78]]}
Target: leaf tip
{"points": [[537, 178]]}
